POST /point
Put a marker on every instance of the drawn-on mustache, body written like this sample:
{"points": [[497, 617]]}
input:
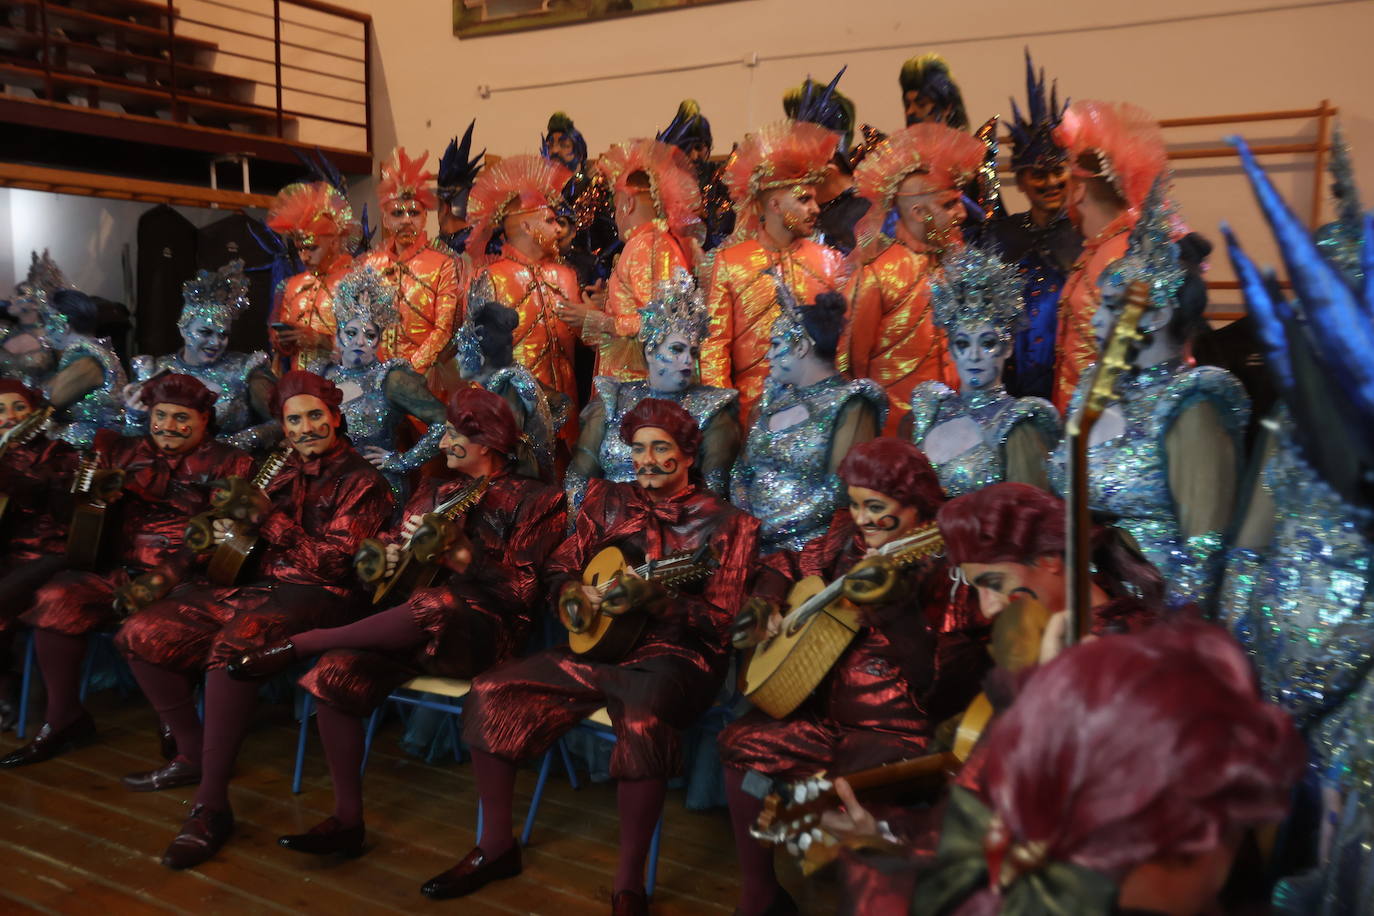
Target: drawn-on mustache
{"points": [[308, 437], [652, 470], [886, 523], [170, 433]]}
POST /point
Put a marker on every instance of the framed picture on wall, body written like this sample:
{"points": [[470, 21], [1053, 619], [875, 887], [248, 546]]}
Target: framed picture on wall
{"points": [[472, 18]]}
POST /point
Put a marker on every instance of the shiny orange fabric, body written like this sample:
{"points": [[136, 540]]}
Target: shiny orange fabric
{"points": [[647, 261], [543, 342], [1077, 346], [307, 303], [742, 302], [893, 338], [427, 300]]}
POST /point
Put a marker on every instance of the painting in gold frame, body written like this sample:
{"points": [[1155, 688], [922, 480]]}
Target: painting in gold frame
{"points": [[473, 18]]}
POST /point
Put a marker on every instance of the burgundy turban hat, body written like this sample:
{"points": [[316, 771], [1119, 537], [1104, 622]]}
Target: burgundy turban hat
{"points": [[298, 381], [11, 386], [485, 418], [898, 470], [664, 415], [182, 390]]}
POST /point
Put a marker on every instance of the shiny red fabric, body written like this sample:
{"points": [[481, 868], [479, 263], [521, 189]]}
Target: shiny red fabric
{"points": [[34, 476], [472, 622], [182, 390], [915, 662], [519, 709], [160, 492], [321, 509]]}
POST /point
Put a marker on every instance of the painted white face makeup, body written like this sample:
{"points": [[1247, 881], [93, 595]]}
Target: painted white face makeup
{"points": [[980, 353], [358, 341], [672, 364], [205, 342]]}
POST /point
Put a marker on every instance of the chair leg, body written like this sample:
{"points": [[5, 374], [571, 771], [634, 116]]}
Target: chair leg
{"points": [[88, 665], [479, 820], [568, 764], [536, 797], [373, 721], [25, 682], [307, 706], [653, 859]]}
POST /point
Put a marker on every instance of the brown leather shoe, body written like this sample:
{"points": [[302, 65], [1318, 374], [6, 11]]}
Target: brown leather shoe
{"points": [[475, 871], [180, 772], [256, 664], [204, 832], [327, 838], [629, 903], [50, 742]]}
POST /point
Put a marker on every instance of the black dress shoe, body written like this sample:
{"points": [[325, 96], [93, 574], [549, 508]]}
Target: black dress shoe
{"points": [[177, 773], [256, 664], [49, 742], [167, 742], [475, 871], [629, 903], [204, 832], [327, 838]]}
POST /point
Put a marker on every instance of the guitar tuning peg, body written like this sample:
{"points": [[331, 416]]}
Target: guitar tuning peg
{"points": [[825, 785], [799, 793], [792, 848], [813, 790], [816, 835], [804, 842]]}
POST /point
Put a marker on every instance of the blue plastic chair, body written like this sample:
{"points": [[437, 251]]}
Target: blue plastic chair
{"points": [[101, 642]]}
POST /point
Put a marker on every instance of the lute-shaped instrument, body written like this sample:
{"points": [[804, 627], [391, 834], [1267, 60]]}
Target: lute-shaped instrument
{"points": [[419, 563], [22, 433], [95, 490], [786, 668], [604, 636], [234, 501]]}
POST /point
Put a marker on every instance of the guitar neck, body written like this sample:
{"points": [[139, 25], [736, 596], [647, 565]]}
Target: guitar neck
{"points": [[927, 535], [917, 769], [1078, 544]]}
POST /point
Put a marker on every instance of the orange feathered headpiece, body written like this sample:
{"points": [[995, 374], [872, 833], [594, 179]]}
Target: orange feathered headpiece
{"points": [[516, 184], [308, 210], [404, 177], [672, 184], [1124, 137], [948, 158], [779, 155]]}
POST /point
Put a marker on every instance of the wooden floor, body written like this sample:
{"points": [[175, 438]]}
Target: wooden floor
{"points": [[74, 841]]}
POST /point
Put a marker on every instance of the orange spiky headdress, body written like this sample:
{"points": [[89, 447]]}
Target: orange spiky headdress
{"points": [[672, 183], [1125, 139], [517, 184], [309, 210], [779, 155], [948, 158], [404, 177]]}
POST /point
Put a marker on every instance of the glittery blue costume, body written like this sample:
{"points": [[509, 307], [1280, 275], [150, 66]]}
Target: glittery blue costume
{"points": [[1301, 601], [783, 477], [530, 404], [101, 407], [999, 416]]}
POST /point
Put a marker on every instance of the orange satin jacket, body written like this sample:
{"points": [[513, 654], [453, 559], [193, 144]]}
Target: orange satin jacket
{"points": [[649, 257], [543, 342], [427, 300], [307, 302], [742, 302], [893, 338], [1075, 343]]}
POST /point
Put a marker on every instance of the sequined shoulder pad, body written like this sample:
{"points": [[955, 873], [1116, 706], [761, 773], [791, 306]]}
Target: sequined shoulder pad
{"points": [[705, 401], [608, 390], [870, 391], [519, 378], [1204, 383], [927, 401], [1038, 412], [385, 369], [109, 362]]}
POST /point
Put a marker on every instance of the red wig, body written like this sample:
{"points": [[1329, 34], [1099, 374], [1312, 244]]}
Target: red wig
{"points": [[898, 470], [485, 418], [1130, 749], [298, 381], [182, 390], [1018, 523], [11, 386], [664, 415]]}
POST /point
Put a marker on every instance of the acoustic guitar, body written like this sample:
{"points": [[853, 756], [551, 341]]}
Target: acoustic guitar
{"points": [[820, 625], [231, 555], [418, 565], [609, 637], [95, 490], [22, 433]]}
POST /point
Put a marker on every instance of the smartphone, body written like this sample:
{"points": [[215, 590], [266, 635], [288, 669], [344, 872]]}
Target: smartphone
{"points": [[280, 326]]}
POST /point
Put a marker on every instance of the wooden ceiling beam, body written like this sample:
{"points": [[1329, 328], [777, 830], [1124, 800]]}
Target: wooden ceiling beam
{"points": [[87, 184]]}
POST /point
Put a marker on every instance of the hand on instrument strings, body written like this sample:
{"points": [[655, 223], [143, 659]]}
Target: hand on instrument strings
{"points": [[1055, 638], [577, 605], [410, 524], [630, 592], [107, 484], [133, 596], [756, 621], [224, 529], [851, 823], [375, 456], [458, 555], [393, 559]]}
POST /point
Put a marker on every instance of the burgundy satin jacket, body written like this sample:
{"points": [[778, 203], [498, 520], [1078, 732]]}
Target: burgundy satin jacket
{"points": [[34, 476]]}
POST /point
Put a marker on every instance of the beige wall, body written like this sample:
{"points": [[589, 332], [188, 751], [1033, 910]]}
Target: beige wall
{"points": [[1175, 57]]}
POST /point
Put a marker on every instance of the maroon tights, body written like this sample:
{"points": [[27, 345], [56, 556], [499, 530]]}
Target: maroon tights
{"points": [[60, 657], [393, 628], [758, 881], [173, 696], [343, 737], [639, 803]]}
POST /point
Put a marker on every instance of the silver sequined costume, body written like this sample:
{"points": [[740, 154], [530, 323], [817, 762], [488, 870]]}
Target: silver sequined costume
{"points": [[536, 419], [387, 393], [102, 406], [34, 368], [998, 416], [1128, 475], [783, 477], [228, 378], [716, 411]]}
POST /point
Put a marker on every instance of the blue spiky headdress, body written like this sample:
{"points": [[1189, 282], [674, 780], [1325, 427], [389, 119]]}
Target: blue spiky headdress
{"points": [[688, 129], [1342, 240], [1151, 254], [1032, 133], [458, 168], [823, 105], [560, 123]]}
